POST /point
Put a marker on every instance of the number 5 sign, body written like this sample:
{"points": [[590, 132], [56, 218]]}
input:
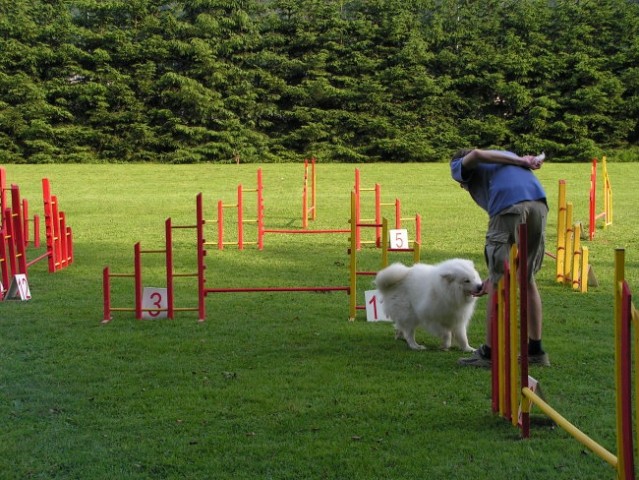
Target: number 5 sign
{"points": [[375, 307], [154, 303], [398, 238]]}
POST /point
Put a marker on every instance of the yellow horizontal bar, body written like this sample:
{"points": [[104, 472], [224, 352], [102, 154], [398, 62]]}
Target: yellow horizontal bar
{"points": [[580, 436]]}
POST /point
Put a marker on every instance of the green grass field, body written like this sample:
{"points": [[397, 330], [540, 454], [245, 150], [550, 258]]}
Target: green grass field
{"points": [[281, 385]]}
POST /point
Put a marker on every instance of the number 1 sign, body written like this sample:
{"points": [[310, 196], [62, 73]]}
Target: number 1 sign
{"points": [[375, 307]]}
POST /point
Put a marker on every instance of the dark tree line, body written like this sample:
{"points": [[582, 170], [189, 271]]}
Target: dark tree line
{"points": [[277, 80]]}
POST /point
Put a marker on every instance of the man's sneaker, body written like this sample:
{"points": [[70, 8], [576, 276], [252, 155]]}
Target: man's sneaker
{"points": [[477, 359], [541, 359]]}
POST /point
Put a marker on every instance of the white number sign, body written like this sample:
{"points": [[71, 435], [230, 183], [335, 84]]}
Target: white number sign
{"points": [[398, 238], [154, 303], [375, 307], [19, 288]]}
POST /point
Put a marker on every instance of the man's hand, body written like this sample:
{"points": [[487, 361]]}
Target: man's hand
{"points": [[484, 289], [532, 162]]}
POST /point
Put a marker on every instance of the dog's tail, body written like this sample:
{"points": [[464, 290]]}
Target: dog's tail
{"points": [[390, 276]]}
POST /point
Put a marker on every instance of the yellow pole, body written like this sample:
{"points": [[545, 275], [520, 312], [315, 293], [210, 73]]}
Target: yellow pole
{"points": [[584, 270], [635, 328], [581, 437], [416, 252], [501, 354], [514, 338], [577, 275], [313, 187], [569, 241], [561, 231], [384, 242], [607, 194], [619, 278], [352, 301]]}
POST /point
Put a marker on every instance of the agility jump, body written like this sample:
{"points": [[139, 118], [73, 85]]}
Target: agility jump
{"points": [[25, 212], [607, 198], [139, 309], [14, 234], [203, 290], [510, 386], [309, 212], [350, 289]]}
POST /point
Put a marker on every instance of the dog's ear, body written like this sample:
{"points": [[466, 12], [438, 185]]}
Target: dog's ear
{"points": [[449, 277]]}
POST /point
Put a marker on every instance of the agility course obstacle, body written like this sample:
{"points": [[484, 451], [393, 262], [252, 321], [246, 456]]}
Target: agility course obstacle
{"points": [[356, 226], [309, 197], [25, 212], [309, 212], [378, 205], [165, 303], [572, 257], [512, 386], [14, 233], [204, 290], [241, 221], [606, 214]]}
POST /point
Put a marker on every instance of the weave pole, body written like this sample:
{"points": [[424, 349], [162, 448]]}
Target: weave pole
{"points": [[625, 316], [572, 257], [561, 231]]}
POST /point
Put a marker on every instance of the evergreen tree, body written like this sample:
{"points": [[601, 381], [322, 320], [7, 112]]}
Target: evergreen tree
{"points": [[344, 80]]}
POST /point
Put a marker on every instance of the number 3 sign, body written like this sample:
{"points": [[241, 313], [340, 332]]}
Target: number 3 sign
{"points": [[375, 307], [154, 298]]}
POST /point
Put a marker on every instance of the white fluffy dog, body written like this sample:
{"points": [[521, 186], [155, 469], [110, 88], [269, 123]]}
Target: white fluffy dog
{"points": [[439, 298]]}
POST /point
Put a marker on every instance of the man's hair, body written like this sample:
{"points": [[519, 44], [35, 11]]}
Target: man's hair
{"points": [[461, 153]]}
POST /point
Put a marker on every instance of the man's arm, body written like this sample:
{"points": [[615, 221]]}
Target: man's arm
{"points": [[477, 156]]}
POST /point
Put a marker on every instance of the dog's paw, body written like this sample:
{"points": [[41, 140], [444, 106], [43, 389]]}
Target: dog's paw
{"points": [[417, 347]]}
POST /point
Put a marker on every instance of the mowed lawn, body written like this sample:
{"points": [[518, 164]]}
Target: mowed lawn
{"points": [[282, 385]]}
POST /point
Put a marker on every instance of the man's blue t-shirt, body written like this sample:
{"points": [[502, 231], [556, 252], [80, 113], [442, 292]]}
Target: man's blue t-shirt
{"points": [[495, 187]]}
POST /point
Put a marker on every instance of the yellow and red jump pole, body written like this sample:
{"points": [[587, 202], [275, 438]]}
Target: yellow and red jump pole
{"points": [[607, 194], [504, 325], [309, 211]]}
